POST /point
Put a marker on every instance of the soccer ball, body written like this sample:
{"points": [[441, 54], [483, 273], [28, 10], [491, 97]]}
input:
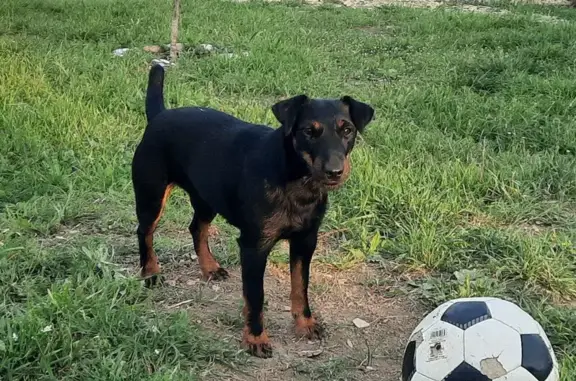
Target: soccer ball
{"points": [[479, 339]]}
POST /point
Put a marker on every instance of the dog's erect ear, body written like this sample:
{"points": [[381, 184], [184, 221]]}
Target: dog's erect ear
{"points": [[286, 111], [360, 113]]}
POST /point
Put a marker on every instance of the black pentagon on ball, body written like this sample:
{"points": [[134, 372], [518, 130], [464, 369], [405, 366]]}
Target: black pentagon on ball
{"points": [[466, 372], [536, 357], [409, 362], [466, 314]]}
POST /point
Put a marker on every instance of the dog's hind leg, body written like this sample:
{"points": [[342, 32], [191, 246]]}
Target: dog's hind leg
{"points": [[150, 203], [203, 216]]}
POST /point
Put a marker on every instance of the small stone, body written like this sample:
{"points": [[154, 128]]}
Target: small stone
{"points": [[286, 309], [349, 343], [215, 287], [191, 282], [359, 323], [171, 282]]}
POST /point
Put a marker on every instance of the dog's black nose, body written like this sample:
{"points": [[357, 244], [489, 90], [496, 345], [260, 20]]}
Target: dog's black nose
{"points": [[334, 173]]}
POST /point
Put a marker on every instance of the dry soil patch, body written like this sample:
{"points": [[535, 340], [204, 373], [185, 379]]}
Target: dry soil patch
{"points": [[347, 352]]}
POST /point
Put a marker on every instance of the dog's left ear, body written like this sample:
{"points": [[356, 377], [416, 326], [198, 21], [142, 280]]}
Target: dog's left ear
{"points": [[360, 113], [286, 111]]}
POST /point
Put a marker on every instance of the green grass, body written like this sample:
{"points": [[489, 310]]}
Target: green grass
{"points": [[470, 163]]}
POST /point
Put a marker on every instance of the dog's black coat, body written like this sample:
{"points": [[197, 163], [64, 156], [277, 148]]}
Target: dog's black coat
{"points": [[270, 183]]}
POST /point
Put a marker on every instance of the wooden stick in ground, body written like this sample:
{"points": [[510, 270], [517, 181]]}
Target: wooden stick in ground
{"points": [[174, 33]]}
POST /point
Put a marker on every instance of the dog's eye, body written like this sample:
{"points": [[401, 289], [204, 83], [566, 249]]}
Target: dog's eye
{"points": [[347, 131], [313, 131]]}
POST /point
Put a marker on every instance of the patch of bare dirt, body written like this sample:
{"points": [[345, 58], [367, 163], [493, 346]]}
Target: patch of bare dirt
{"points": [[346, 353], [364, 292], [349, 353]]}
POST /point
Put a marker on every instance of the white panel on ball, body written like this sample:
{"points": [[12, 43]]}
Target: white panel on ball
{"points": [[555, 375], [493, 347], [441, 350], [518, 374], [419, 377], [512, 315], [432, 317]]}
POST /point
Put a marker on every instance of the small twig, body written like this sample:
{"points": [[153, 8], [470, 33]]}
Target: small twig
{"points": [[181, 303], [331, 232], [369, 356]]}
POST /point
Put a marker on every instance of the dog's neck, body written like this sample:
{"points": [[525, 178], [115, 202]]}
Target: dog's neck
{"points": [[295, 178]]}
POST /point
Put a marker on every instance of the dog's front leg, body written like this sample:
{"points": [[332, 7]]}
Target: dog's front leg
{"points": [[253, 260], [302, 246]]}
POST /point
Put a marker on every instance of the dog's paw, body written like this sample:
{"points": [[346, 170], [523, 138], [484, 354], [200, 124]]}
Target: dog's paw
{"points": [[218, 275], [258, 346], [309, 328], [153, 280], [262, 350]]}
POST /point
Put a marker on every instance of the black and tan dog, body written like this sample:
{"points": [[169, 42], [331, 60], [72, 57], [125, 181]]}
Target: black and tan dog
{"points": [[270, 183]]}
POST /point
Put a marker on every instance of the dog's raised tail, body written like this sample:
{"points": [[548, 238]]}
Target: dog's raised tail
{"points": [[155, 92]]}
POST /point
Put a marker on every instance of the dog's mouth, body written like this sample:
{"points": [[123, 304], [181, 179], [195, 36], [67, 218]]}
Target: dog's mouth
{"points": [[333, 184], [324, 183]]}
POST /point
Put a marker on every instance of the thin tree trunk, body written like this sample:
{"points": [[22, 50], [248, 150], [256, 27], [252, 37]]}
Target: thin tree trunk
{"points": [[174, 34]]}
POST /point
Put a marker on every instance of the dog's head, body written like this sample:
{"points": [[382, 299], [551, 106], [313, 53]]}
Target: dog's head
{"points": [[323, 133]]}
